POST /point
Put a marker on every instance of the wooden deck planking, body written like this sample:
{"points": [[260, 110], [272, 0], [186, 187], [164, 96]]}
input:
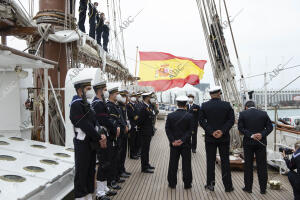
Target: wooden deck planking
{"points": [[155, 186]]}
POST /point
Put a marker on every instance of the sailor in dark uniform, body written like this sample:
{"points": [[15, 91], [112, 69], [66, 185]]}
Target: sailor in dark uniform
{"points": [[216, 117], [93, 12], [292, 164], [133, 117], [154, 107], [105, 35], [82, 14], [84, 122], [179, 127], [194, 109], [115, 118], [123, 139], [145, 123], [99, 27], [104, 173], [139, 105], [255, 125]]}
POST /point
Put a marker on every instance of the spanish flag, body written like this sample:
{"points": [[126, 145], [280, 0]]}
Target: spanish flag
{"points": [[164, 71]]}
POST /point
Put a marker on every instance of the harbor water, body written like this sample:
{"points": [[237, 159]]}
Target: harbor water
{"points": [[284, 113]]}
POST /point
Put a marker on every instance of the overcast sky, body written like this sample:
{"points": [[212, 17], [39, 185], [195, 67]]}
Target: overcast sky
{"points": [[266, 33]]}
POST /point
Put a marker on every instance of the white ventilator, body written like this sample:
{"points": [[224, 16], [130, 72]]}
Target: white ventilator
{"points": [[82, 198]]}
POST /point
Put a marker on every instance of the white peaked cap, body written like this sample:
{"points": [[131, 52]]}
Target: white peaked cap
{"points": [[182, 98], [147, 94], [100, 83], [113, 89], [215, 89], [80, 81]]}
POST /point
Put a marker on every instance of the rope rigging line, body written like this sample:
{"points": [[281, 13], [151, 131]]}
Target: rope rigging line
{"points": [[122, 35], [24, 8]]}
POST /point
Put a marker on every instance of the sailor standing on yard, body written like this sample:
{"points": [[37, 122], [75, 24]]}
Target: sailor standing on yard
{"points": [[255, 125], [179, 127], [82, 14], [93, 12], [83, 120], [216, 118]]}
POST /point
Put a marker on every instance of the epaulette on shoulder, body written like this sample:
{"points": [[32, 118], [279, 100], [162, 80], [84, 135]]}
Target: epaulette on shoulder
{"points": [[131, 106]]}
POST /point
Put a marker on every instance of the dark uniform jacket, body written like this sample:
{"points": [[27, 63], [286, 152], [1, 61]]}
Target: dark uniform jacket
{"points": [[105, 31], [83, 119], [253, 121], [132, 114], [92, 10], [154, 108], [123, 112], [294, 163], [216, 114], [194, 109], [179, 126], [115, 114], [100, 21], [102, 115], [145, 120]]}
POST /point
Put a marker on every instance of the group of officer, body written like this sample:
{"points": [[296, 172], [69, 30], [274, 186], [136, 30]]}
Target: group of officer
{"points": [[103, 129], [114, 119], [217, 117], [99, 27]]}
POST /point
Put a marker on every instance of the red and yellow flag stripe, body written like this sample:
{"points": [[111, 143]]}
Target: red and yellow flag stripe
{"points": [[164, 71]]}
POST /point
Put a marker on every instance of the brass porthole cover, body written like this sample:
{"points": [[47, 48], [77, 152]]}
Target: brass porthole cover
{"points": [[3, 143], [33, 169], [16, 138], [12, 178], [49, 162], [38, 146], [7, 158], [63, 155], [70, 149]]}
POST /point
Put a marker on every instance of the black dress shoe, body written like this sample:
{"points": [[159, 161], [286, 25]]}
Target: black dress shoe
{"points": [[128, 173], [189, 186], [114, 185], [134, 157], [247, 190], [150, 167], [103, 198], [124, 175], [209, 187], [111, 193], [263, 191], [172, 186], [229, 189], [194, 150], [120, 180], [147, 171]]}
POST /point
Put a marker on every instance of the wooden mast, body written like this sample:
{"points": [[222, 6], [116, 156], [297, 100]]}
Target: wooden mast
{"points": [[53, 51]]}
